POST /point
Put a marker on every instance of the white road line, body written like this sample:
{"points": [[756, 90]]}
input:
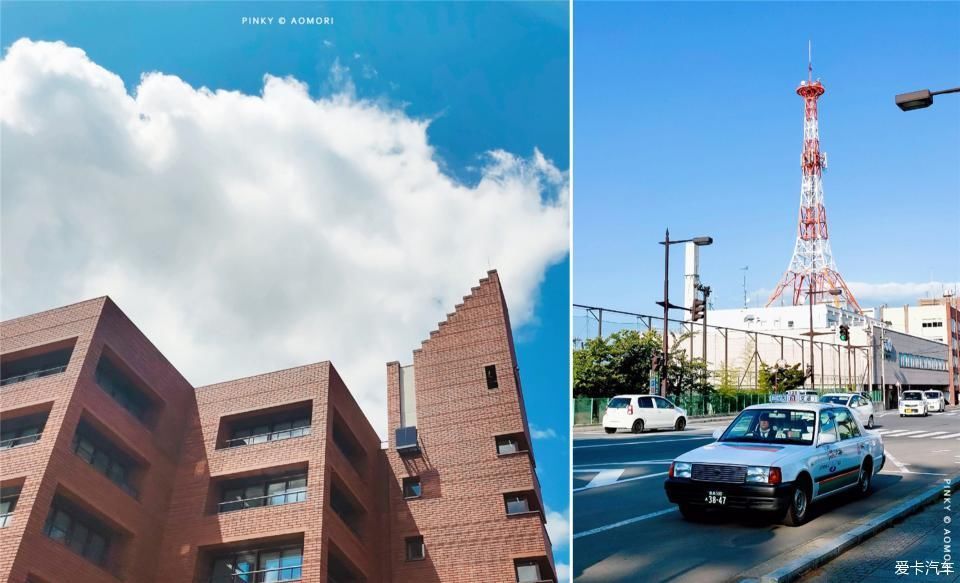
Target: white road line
{"points": [[604, 477], [600, 529], [642, 463], [588, 487], [922, 435], [903, 434], [645, 441], [892, 431], [948, 436], [896, 462]]}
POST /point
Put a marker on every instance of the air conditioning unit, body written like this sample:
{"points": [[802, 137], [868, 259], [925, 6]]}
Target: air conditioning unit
{"points": [[407, 442]]}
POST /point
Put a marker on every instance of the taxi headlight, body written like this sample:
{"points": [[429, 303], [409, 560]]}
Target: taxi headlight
{"points": [[681, 469], [758, 474]]}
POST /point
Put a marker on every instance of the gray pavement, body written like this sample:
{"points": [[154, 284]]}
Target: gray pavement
{"points": [[626, 530], [917, 544]]}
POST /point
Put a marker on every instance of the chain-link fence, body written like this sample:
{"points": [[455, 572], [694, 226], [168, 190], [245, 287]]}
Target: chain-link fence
{"points": [[734, 358]]}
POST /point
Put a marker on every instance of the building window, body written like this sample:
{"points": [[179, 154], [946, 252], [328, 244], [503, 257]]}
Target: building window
{"points": [[83, 534], [528, 572], [22, 430], [490, 372], [516, 503], [411, 487], [271, 430], [17, 369], [345, 506], [8, 503], [281, 564], [253, 493], [416, 550], [512, 443], [123, 390], [94, 449]]}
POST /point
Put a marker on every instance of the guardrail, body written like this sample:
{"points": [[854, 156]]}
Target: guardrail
{"points": [[271, 436], [24, 439], [284, 574], [232, 505], [32, 375]]}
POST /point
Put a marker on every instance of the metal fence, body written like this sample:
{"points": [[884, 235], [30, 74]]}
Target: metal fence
{"points": [[589, 411], [739, 353]]}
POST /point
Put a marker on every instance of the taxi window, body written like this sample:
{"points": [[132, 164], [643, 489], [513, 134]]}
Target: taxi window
{"points": [[772, 426], [846, 426], [855, 401], [912, 395], [663, 403], [834, 399], [646, 402], [618, 403], [828, 423], [933, 394]]}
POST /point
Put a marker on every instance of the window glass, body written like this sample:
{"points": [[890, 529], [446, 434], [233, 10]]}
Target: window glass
{"points": [[282, 430], [278, 493], [411, 488], [490, 372], [61, 525], [415, 548], [517, 504], [507, 445], [96, 548], [772, 425], [78, 537], [528, 572], [290, 563], [646, 402], [663, 403], [270, 565], [828, 424], [618, 403]]}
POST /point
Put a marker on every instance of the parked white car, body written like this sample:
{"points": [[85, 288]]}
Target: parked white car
{"points": [[861, 406], [778, 457], [912, 403], [640, 412], [935, 401]]}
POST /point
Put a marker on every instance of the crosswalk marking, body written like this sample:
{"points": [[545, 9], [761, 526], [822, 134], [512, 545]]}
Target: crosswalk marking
{"points": [[603, 478], [898, 434], [931, 434], [948, 436]]}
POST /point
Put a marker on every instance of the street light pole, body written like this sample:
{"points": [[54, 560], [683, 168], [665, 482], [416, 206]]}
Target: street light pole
{"points": [[666, 313]]}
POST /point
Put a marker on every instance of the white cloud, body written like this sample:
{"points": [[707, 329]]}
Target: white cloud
{"points": [[900, 292], [248, 233], [563, 572], [538, 433], [558, 527]]}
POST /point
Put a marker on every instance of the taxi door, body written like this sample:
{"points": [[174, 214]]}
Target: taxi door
{"points": [[851, 448], [825, 462]]}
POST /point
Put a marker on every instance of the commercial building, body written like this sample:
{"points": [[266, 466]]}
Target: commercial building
{"points": [[114, 468]]}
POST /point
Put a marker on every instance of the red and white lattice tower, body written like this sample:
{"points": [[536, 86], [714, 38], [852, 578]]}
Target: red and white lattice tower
{"points": [[812, 269]]}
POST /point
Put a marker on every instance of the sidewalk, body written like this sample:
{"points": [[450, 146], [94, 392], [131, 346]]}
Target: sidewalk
{"points": [[917, 544]]}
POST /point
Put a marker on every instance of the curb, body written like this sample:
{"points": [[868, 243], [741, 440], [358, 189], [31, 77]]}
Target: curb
{"points": [[852, 538]]}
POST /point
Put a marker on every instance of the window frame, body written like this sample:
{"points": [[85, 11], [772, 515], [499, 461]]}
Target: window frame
{"points": [[422, 548], [411, 481]]}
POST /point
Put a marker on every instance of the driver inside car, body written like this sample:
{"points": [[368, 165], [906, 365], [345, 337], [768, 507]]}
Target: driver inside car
{"points": [[764, 430]]}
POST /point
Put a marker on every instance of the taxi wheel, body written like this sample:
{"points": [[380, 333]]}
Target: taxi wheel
{"points": [[865, 480], [799, 507], [610, 429], [681, 424], [691, 512], [638, 426]]}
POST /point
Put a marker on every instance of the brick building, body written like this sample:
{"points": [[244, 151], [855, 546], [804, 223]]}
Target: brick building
{"points": [[114, 468]]}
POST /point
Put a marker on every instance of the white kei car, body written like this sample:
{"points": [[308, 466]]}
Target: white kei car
{"points": [[639, 412], [861, 406], [778, 457], [935, 401], [913, 403]]}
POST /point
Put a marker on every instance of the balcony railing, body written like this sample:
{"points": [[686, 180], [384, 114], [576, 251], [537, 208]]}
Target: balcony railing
{"points": [[261, 576], [20, 441], [33, 375], [265, 437], [258, 501]]}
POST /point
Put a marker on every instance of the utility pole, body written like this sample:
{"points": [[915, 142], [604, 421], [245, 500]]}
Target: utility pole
{"points": [[664, 383], [744, 270]]}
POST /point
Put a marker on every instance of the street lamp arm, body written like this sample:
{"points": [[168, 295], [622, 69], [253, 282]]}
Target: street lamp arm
{"points": [[954, 90]]}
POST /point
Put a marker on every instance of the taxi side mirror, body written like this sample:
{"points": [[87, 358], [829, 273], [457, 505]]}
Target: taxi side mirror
{"points": [[826, 438], [717, 433]]}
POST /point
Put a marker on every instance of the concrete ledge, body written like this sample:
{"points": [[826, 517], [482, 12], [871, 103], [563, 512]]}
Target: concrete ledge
{"points": [[840, 544]]}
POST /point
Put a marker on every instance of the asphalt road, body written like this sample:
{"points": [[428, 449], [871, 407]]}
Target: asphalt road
{"points": [[625, 529]]}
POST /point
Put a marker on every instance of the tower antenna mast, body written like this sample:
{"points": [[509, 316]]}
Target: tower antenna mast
{"points": [[812, 268]]}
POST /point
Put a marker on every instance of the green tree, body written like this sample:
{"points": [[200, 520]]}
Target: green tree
{"points": [[619, 363]]}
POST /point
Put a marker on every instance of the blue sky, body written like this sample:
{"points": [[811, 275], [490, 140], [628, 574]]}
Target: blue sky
{"points": [[685, 117], [491, 76]]}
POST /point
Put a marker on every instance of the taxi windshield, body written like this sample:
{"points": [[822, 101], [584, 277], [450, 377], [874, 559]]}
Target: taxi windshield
{"points": [[786, 426], [912, 396], [835, 399]]}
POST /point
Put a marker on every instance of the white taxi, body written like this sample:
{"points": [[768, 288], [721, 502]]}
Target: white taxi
{"points": [[640, 412], [778, 457], [912, 403], [861, 406]]}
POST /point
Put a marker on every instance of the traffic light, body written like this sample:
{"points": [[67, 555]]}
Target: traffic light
{"points": [[844, 333], [699, 310]]}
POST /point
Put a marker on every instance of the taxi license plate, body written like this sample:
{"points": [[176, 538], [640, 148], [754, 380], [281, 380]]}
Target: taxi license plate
{"points": [[911, 410], [716, 497]]}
